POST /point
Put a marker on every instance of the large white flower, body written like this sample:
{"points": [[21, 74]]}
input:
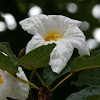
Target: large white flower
{"points": [[57, 29], [13, 87]]}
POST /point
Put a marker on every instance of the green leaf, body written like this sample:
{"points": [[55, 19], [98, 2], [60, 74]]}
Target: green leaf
{"points": [[4, 46], [90, 77], [49, 76], [96, 53], [83, 63], [7, 64], [94, 97], [85, 93], [37, 58]]}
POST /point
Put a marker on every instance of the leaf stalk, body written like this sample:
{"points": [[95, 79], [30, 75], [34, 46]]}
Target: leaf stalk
{"points": [[62, 81], [40, 78], [28, 83]]}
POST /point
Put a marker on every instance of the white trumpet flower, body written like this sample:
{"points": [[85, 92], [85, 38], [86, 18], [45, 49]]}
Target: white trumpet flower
{"points": [[58, 29]]}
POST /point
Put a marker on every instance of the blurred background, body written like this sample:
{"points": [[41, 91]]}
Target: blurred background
{"points": [[13, 11]]}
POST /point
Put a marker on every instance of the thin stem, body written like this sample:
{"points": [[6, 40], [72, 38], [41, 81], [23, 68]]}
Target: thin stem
{"points": [[31, 76], [71, 75], [85, 68], [28, 83], [37, 75], [39, 78], [62, 81]]}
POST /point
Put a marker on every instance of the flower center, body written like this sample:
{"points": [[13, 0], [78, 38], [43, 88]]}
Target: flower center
{"points": [[53, 36], [1, 81]]}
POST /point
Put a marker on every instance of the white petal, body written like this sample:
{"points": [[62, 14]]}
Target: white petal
{"points": [[5, 87], [34, 25], [60, 55], [62, 22], [77, 38], [13, 87], [20, 90], [35, 42], [42, 24], [3, 98], [39, 24], [81, 45], [29, 26]]}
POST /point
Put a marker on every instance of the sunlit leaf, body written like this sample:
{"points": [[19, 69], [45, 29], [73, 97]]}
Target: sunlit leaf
{"points": [[7, 64], [85, 93], [37, 58]]}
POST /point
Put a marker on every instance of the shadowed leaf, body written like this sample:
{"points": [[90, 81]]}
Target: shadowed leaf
{"points": [[90, 77], [94, 97], [85, 93], [4, 46], [7, 64]]}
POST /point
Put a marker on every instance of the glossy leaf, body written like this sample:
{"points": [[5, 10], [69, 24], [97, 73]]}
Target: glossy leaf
{"points": [[90, 77], [85, 93], [7, 64], [37, 58], [4, 46]]}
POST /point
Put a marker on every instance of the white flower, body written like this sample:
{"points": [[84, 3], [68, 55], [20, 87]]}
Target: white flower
{"points": [[13, 87], [57, 29]]}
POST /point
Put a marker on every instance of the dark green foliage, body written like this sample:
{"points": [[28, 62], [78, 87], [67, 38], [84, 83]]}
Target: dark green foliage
{"points": [[90, 77], [83, 94], [94, 97], [5, 47], [49, 76], [7, 64]]}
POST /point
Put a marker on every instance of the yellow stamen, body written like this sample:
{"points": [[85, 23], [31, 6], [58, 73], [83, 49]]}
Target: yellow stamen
{"points": [[1, 81], [53, 36]]}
